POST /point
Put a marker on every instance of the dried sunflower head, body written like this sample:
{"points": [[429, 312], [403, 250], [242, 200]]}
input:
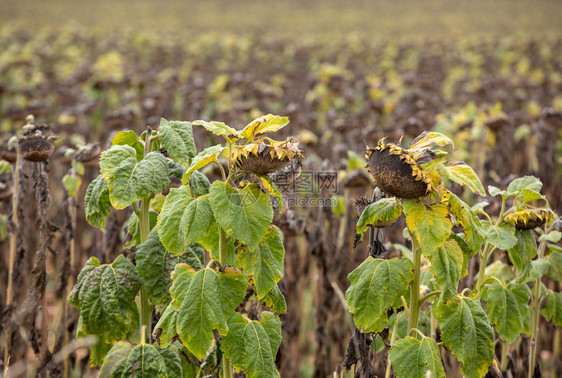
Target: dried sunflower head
{"points": [[397, 172], [265, 155], [88, 153], [530, 218], [36, 144]]}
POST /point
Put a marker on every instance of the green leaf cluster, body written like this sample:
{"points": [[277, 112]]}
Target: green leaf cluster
{"points": [[376, 287], [171, 232]]}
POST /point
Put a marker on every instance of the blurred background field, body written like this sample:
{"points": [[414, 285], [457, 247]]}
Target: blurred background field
{"points": [[486, 73], [298, 19]]}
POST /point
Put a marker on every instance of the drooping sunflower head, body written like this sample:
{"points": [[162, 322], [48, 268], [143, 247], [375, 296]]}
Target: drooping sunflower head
{"points": [[529, 219], [265, 155], [397, 172], [36, 143]]}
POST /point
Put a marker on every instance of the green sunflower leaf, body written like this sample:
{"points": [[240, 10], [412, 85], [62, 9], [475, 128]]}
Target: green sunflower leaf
{"points": [[177, 139], [466, 332], [128, 179], [96, 202], [265, 264], [155, 264], [145, 360], [206, 300], [446, 265], [252, 346], [184, 220], [244, 214], [105, 295], [411, 357], [553, 309], [507, 307], [376, 286]]}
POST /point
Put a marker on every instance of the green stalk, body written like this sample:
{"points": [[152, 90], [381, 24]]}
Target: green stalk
{"points": [[534, 329], [415, 303], [535, 305], [484, 254], [145, 306], [483, 260], [505, 360], [223, 253], [144, 228], [556, 345], [433, 326]]}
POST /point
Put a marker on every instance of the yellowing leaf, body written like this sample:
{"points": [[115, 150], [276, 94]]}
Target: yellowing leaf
{"points": [[464, 175], [71, 184], [218, 128], [263, 125], [379, 214], [129, 138], [430, 223], [468, 220], [205, 157], [430, 139]]}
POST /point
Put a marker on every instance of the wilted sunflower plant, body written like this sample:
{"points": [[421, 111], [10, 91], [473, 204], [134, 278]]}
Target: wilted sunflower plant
{"points": [[445, 233], [202, 251]]}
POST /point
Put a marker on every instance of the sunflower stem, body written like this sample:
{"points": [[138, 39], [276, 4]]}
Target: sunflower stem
{"points": [[415, 286], [145, 313], [223, 255], [535, 306], [504, 360], [485, 253]]}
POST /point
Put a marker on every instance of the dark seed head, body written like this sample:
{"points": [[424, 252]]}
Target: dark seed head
{"points": [[88, 153], [36, 149], [530, 219], [394, 176], [261, 165]]}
